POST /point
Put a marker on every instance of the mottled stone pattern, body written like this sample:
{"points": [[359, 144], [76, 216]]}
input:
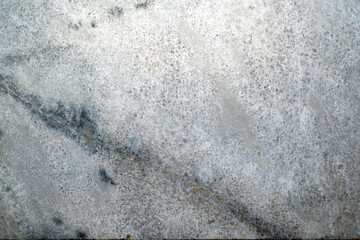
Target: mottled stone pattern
{"points": [[179, 119]]}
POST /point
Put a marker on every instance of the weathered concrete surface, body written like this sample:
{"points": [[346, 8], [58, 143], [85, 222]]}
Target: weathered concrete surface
{"points": [[169, 118]]}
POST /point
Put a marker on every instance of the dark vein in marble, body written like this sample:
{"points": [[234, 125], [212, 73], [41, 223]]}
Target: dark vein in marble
{"points": [[78, 124]]}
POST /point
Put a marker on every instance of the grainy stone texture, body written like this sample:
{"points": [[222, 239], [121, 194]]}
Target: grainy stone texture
{"points": [[179, 119]]}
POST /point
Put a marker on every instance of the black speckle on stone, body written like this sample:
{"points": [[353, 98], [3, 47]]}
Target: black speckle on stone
{"points": [[142, 4], [93, 23], [104, 177], [75, 26], [117, 11], [57, 221], [81, 235]]}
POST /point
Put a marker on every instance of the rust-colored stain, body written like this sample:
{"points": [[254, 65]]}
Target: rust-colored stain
{"points": [[88, 139], [197, 187]]}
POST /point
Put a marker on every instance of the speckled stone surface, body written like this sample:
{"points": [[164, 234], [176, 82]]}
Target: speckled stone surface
{"points": [[179, 119]]}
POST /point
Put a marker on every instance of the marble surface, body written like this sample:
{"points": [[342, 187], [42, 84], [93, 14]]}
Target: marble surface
{"points": [[179, 119]]}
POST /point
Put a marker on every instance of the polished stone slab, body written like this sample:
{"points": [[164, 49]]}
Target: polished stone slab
{"points": [[179, 119]]}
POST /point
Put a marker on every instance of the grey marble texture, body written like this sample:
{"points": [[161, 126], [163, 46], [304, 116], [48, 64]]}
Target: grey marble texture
{"points": [[179, 119]]}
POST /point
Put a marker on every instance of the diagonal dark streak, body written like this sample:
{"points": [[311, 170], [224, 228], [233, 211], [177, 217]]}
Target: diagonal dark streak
{"points": [[77, 123]]}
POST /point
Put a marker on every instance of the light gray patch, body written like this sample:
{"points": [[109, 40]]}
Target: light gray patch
{"points": [[133, 144], [233, 119], [316, 106]]}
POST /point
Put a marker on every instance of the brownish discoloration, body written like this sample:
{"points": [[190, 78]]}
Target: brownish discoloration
{"points": [[211, 221], [86, 137]]}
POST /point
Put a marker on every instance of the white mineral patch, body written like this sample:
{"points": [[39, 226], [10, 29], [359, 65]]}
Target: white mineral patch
{"points": [[179, 119]]}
